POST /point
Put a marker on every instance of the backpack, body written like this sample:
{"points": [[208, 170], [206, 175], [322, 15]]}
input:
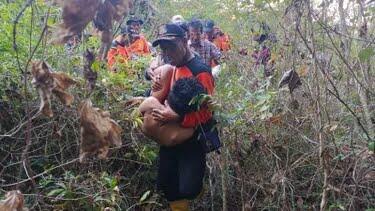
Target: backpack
{"points": [[207, 134]]}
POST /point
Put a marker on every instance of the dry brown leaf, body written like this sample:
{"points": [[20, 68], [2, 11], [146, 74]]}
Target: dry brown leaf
{"points": [[276, 120], [122, 8], [98, 131], [76, 15], [303, 71], [299, 201], [47, 82], [13, 201], [370, 176]]}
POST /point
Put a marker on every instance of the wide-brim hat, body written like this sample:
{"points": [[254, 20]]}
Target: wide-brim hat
{"points": [[168, 32]]}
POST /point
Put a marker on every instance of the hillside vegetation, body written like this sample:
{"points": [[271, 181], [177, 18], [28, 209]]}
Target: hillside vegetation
{"points": [[303, 147]]}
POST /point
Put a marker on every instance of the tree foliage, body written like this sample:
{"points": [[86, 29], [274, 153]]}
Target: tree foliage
{"points": [[312, 148]]}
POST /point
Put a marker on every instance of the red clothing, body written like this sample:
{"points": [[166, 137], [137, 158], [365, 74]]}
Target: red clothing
{"points": [[222, 42], [139, 47], [202, 116], [117, 54]]}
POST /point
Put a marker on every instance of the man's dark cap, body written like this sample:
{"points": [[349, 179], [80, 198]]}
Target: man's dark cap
{"points": [[208, 25], [134, 20], [169, 32], [183, 25]]}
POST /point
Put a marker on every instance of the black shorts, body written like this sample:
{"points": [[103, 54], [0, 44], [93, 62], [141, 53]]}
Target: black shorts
{"points": [[181, 170]]}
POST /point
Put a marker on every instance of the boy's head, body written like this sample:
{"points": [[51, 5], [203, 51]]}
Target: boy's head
{"points": [[183, 91]]}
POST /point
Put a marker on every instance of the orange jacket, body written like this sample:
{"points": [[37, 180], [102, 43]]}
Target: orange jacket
{"points": [[139, 47], [202, 116], [222, 42], [119, 54]]}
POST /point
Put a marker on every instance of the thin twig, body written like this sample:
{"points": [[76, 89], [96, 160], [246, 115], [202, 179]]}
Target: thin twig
{"points": [[40, 174]]}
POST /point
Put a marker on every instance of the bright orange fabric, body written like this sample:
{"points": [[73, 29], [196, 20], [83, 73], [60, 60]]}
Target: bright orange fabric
{"points": [[119, 54], [222, 42], [193, 119], [139, 47]]}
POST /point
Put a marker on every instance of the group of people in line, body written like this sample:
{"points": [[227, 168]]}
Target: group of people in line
{"points": [[185, 128], [180, 72], [205, 39]]}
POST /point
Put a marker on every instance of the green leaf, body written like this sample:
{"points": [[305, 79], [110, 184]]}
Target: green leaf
{"points": [[95, 66], [366, 54], [371, 146], [55, 192], [100, 198], [145, 196], [259, 2]]}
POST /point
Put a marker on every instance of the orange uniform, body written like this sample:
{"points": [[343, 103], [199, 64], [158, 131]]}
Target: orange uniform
{"points": [[222, 42], [139, 47], [119, 54], [122, 53], [202, 116]]}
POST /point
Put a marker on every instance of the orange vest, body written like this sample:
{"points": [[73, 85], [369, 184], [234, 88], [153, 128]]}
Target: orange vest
{"points": [[139, 47], [119, 54], [193, 119]]}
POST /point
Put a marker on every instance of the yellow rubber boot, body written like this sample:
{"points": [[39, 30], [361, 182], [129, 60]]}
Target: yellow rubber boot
{"points": [[180, 205]]}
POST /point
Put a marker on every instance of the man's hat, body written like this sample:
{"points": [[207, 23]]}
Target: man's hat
{"points": [[169, 32], [134, 20], [208, 25]]}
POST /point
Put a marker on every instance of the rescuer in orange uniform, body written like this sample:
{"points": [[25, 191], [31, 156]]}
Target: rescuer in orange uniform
{"points": [[129, 45], [214, 34], [182, 166]]}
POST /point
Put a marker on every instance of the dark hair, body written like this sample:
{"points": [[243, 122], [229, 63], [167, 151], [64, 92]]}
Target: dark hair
{"points": [[183, 91], [196, 24], [183, 25]]}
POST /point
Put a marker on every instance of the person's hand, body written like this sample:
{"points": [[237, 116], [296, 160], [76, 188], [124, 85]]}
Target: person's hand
{"points": [[166, 114], [156, 82]]}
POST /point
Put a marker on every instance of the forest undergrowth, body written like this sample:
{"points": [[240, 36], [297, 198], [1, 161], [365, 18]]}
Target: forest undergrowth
{"points": [[305, 146]]}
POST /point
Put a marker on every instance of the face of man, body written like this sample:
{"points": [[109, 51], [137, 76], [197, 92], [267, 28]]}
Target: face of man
{"points": [[136, 27], [175, 51], [195, 35]]}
